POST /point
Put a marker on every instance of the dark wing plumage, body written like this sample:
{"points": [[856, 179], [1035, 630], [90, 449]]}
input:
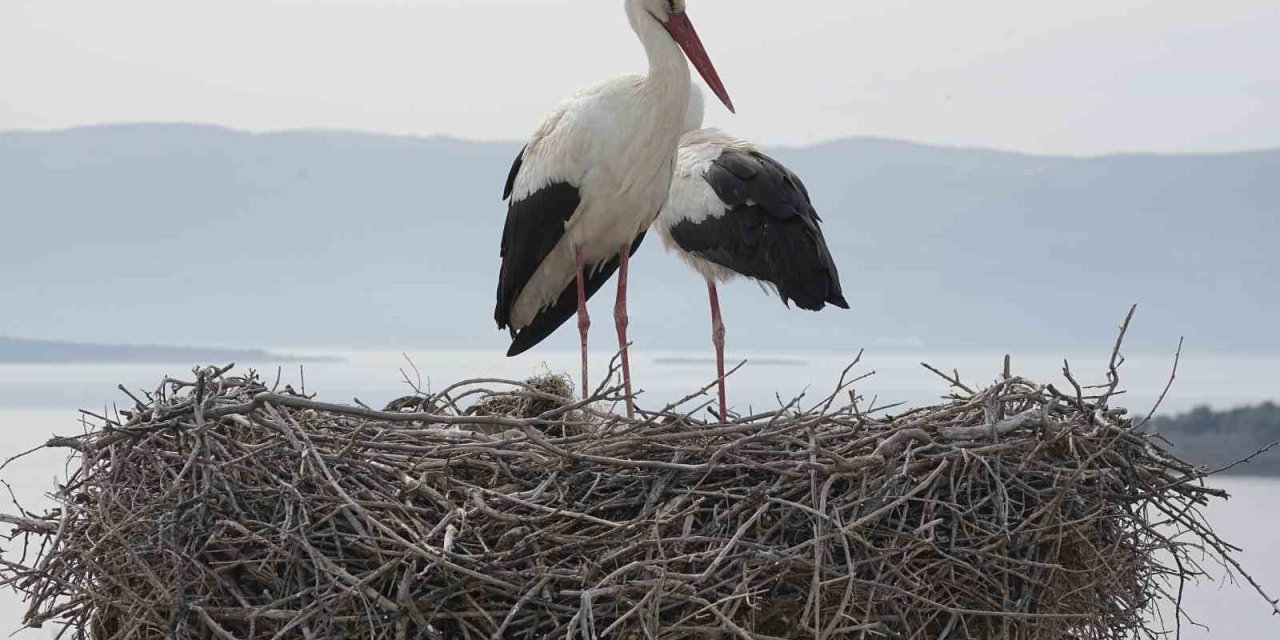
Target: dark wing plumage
{"points": [[770, 232], [515, 171], [565, 307], [535, 224]]}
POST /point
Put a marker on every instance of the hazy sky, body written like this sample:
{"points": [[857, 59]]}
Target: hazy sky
{"points": [[1085, 76]]}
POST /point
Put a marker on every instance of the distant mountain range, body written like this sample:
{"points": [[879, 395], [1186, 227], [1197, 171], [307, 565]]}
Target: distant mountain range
{"points": [[156, 233], [15, 351]]}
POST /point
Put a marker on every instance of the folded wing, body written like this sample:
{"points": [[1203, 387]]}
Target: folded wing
{"points": [[769, 229]]}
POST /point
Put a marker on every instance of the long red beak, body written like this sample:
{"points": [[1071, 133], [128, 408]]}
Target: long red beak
{"points": [[682, 31]]}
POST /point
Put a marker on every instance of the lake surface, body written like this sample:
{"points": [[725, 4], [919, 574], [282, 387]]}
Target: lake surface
{"points": [[39, 400], [374, 376]]}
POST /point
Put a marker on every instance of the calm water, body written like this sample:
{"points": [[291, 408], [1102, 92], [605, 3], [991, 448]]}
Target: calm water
{"points": [[374, 376], [36, 401]]}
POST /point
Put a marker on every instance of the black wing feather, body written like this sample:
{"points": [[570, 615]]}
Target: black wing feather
{"points": [[515, 171], [770, 232], [534, 226], [565, 307]]}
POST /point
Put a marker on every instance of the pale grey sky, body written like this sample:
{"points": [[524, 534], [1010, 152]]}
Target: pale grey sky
{"points": [[1080, 77]]}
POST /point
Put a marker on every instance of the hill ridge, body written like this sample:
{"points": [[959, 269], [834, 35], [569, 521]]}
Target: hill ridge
{"points": [[445, 137], [365, 239]]}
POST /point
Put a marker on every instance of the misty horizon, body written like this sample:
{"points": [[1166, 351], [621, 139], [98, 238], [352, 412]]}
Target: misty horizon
{"points": [[764, 143]]}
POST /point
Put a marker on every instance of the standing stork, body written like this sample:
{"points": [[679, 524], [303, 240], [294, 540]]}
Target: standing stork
{"points": [[591, 181], [735, 211]]}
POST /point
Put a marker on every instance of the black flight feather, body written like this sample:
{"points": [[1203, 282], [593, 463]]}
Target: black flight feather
{"points": [[515, 171], [535, 225], [566, 306], [770, 231]]}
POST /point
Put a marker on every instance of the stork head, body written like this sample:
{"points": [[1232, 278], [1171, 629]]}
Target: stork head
{"points": [[663, 9], [672, 15]]}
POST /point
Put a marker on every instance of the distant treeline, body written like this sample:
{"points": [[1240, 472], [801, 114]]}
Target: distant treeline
{"points": [[1218, 438]]}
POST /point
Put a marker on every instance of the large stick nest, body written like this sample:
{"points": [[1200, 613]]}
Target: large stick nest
{"points": [[221, 508]]}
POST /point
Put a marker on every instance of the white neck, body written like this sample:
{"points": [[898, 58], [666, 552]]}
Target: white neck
{"points": [[660, 102], [667, 65]]}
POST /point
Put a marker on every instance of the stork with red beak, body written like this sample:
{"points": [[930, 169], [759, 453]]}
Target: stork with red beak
{"points": [[736, 212], [583, 192]]}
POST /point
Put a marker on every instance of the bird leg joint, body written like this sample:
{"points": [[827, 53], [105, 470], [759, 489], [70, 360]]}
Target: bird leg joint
{"points": [[620, 317]]}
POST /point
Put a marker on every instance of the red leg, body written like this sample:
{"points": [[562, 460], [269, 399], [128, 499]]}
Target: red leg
{"points": [[584, 320], [717, 338], [621, 320]]}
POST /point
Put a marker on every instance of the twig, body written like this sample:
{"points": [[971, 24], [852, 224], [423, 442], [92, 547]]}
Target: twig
{"points": [[1173, 375], [1246, 460]]}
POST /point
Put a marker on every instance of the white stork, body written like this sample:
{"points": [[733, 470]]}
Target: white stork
{"points": [[735, 211], [591, 180]]}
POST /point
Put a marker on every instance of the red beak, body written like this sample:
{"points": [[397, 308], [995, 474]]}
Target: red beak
{"points": [[682, 31]]}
